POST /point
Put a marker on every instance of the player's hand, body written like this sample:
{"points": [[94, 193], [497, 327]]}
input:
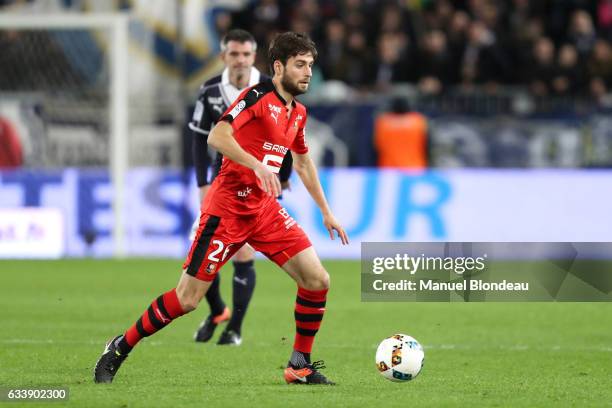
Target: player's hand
{"points": [[268, 181], [332, 224], [286, 185]]}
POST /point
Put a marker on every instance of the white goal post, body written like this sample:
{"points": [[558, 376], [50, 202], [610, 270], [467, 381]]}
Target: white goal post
{"points": [[117, 25]]}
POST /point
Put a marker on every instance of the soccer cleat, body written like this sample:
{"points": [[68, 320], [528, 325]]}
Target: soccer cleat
{"points": [[208, 326], [307, 375], [109, 363], [229, 338]]}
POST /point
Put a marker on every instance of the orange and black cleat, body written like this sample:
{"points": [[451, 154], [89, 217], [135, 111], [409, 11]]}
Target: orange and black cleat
{"points": [[307, 375]]}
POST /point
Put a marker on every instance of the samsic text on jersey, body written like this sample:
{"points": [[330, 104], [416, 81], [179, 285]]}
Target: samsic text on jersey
{"points": [[261, 128]]}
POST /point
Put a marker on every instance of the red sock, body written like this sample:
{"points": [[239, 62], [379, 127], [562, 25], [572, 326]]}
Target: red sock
{"points": [[309, 310], [160, 313]]}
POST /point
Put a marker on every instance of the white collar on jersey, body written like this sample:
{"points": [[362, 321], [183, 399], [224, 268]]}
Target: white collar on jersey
{"points": [[229, 91], [254, 78]]}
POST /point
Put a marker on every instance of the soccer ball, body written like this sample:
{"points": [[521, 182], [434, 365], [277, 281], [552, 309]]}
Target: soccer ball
{"points": [[399, 358]]}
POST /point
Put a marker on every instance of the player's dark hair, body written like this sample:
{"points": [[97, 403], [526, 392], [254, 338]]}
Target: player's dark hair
{"points": [[238, 35], [290, 44]]}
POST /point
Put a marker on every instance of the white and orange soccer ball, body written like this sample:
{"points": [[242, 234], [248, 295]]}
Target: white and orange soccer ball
{"points": [[399, 358]]}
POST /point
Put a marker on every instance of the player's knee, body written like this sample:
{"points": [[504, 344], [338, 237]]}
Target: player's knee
{"points": [[189, 304], [317, 282], [189, 300], [244, 254]]}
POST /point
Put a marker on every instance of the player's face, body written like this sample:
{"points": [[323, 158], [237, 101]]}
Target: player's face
{"points": [[297, 73], [239, 57]]}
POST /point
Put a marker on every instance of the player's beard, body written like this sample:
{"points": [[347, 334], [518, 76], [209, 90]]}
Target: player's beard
{"points": [[290, 87]]}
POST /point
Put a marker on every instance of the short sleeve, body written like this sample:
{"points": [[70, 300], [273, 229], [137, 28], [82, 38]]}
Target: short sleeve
{"points": [[243, 110]]}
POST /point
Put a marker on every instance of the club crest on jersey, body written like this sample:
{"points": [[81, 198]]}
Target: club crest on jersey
{"points": [[237, 109], [210, 268], [297, 119], [274, 112]]}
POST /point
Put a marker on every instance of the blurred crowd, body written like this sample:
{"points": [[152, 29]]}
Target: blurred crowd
{"points": [[553, 47]]}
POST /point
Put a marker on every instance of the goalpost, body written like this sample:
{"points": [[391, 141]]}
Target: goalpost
{"points": [[116, 27]]}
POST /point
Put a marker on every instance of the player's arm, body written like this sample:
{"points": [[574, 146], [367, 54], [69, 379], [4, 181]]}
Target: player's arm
{"points": [[200, 125], [306, 169], [222, 139]]}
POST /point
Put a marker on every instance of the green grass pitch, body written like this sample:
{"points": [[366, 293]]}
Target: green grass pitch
{"points": [[56, 317]]}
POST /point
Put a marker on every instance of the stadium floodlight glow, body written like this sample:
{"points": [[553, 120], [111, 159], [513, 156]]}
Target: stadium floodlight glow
{"points": [[117, 25]]}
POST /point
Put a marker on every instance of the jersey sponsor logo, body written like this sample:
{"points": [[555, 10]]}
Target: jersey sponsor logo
{"points": [[272, 158], [275, 147], [198, 112], [218, 108], [244, 193], [274, 112], [237, 109], [274, 161], [257, 93]]}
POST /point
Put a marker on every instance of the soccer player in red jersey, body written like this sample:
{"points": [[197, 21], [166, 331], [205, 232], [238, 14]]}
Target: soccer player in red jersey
{"points": [[241, 207]]}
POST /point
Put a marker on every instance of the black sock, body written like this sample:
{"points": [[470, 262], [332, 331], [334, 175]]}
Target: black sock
{"points": [[213, 297], [243, 285], [299, 359]]}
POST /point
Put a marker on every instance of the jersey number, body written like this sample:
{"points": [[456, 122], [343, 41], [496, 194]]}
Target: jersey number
{"points": [[272, 158], [213, 255]]}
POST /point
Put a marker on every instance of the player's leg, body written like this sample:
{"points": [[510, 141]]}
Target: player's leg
{"points": [[219, 312], [313, 283], [160, 313], [207, 255], [243, 286], [281, 239]]}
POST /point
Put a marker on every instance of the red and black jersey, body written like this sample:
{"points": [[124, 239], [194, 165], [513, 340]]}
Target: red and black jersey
{"points": [[263, 129]]}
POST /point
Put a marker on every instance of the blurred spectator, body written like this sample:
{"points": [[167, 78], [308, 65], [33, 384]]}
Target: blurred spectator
{"points": [[359, 60], [600, 69], [436, 64], [523, 42], [390, 65], [484, 61], [604, 21], [582, 32], [223, 23], [332, 58], [443, 13], [541, 70], [457, 34], [570, 74], [438, 43], [400, 137]]}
